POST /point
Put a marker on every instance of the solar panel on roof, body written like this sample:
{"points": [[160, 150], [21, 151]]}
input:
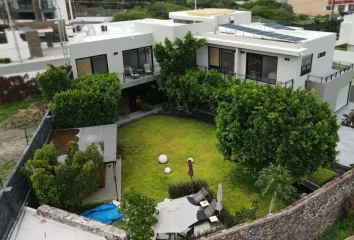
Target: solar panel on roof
{"points": [[278, 26], [262, 33]]}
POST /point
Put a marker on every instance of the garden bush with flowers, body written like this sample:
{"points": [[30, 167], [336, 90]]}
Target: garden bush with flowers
{"points": [[17, 88]]}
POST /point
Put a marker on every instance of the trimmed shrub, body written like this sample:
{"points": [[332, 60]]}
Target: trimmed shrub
{"points": [[53, 81], [93, 100], [181, 189], [5, 60]]}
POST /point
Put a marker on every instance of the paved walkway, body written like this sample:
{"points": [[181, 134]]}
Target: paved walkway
{"points": [[134, 116]]}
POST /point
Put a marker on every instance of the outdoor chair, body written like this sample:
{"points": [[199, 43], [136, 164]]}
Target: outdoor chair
{"points": [[147, 68], [199, 196], [162, 236], [208, 212], [134, 75]]}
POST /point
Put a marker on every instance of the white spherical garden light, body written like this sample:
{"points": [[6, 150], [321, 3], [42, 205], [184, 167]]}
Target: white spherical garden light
{"points": [[168, 170], [163, 159]]}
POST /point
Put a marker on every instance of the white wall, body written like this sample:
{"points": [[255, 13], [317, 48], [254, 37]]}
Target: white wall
{"points": [[108, 47], [8, 49]]}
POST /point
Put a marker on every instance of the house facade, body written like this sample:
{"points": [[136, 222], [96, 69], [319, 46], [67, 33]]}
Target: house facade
{"points": [[264, 53]]}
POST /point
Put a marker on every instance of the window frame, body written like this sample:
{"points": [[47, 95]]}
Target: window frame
{"points": [[220, 67], [308, 66], [90, 57]]}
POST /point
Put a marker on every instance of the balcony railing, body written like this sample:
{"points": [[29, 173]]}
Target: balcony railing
{"points": [[140, 75], [245, 77], [332, 76]]}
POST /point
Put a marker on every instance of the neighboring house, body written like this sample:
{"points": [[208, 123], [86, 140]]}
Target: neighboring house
{"points": [[47, 9], [342, 6], [267, 54], [346, 34], [313, 8]]}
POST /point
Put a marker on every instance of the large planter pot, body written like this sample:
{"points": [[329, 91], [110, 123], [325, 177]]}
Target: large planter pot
{"points": [[102, 179]]}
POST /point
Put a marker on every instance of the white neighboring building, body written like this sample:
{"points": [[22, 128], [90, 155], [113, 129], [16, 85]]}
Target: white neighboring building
{"points": [[252, 51], [8, 50]]}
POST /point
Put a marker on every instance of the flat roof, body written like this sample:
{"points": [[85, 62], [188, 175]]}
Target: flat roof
{"points": [[35, 227], [208, 12]]}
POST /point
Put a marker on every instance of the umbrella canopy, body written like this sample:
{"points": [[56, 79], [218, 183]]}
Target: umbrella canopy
{"points": [[175, 215], [219, 198]]}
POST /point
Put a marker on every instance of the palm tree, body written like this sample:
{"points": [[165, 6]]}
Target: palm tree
{"points": [[277, 180]]}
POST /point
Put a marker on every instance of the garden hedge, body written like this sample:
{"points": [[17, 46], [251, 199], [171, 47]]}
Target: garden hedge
{"points": [[92, 100]]}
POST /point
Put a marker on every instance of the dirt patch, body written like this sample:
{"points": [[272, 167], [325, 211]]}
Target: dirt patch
{"points": [[28, 116], [12, 143]]}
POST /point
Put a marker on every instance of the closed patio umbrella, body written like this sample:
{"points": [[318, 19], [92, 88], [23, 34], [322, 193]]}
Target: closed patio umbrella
{"points": [[219, 198]]}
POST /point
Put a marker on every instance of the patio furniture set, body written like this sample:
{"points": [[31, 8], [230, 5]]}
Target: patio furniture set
{"points": [[136, 72], [177, 217]]}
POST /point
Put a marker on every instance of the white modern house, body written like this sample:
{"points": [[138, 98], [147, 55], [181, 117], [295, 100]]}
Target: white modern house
{"points": [[265, 53]]}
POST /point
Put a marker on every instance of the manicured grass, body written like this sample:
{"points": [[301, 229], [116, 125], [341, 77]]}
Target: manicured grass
{"points": [[321, 175], [342, 47], [5, 169], [180, 138], [9, 109], [340, 230]]}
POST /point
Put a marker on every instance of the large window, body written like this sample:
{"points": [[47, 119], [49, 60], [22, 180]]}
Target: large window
{"points": [[222, 59], [92, 65], [137, 60], [306, 65], [262, 68]]}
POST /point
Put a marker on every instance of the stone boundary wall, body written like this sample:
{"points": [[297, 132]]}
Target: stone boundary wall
{"points": [[85, 224], [303, 220]]}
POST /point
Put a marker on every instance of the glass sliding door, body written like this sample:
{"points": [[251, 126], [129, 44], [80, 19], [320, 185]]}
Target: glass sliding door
{"points": [[222, 59], [254, 66], [92, 65], [137, 60], [228, 61]]}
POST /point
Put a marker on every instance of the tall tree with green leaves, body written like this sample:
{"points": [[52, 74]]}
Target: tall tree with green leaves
{"points": [[175, 59], [258, 125], [139, 211], [277, 181]]}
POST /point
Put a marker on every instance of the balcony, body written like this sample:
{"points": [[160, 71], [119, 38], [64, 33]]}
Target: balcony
{"points": [[27, 6], [138, 76], [251, 78], [337, 72]]}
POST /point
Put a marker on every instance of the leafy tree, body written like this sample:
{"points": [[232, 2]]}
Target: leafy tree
{"points": [[53, 80], [161, 9], [64, 185], [277, 181], [138, 13], [175, 59], [139, 211], [259, 125]]}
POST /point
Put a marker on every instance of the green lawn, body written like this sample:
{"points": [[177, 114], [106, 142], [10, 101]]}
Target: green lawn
{"points": [[342, 47], [321, 175], [179, 139], [5, 169], [9, 109], [340, 230]]}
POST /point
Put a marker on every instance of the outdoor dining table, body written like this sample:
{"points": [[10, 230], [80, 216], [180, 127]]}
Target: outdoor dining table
{"points": [[175, 215]]}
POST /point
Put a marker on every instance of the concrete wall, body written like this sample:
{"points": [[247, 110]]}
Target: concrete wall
{"points": [[328, 91], [109, 47], [303, 220], [8, 50]]}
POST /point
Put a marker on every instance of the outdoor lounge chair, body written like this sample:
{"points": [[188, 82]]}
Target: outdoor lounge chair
{"points": [[199, 196], [208, 212], [134, 75], [147, 68]]}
